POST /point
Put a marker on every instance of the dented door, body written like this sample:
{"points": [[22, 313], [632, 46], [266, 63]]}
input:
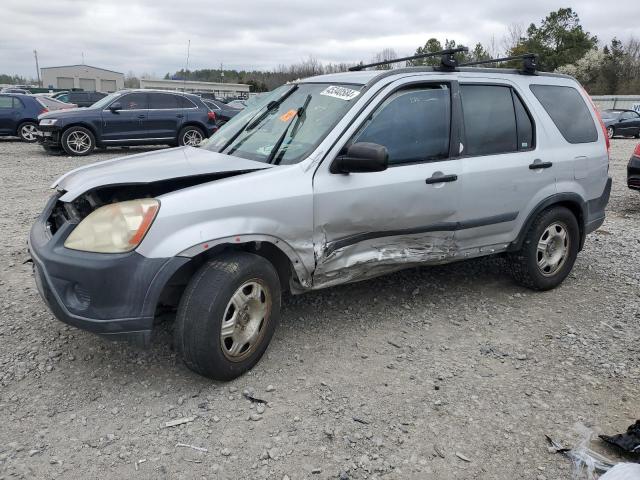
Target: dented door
{"points": [[367, 224]]}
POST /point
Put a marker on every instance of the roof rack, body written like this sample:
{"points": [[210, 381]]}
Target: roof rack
{"points": [[529, 62], [447, 60]]}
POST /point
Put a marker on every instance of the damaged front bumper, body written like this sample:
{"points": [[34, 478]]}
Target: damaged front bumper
{"points": [[108, 294], [48, 136]]}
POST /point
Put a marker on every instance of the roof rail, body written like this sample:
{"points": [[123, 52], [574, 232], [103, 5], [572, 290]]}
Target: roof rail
{"points": [[529, 62], [447, 60]]}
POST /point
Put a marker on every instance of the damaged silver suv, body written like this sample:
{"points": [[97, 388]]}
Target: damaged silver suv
{"points": [[327, 180]]}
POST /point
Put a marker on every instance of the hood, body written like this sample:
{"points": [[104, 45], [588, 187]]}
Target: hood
{"points": [[173, 163], [609, 121], [67, 112]]}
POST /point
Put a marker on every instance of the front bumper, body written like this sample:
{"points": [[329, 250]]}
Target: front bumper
{"points": [[633, 173], [107, 294], [48, 136]]}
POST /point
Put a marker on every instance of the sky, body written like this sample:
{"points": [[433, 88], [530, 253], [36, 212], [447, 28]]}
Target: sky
{"points": [[150, 36]]}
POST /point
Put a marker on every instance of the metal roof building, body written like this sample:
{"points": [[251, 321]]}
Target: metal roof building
{"points": [[221, 90], [86, 77]]}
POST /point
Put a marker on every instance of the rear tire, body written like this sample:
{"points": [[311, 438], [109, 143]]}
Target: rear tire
{"points": [[27, 132], [191, 136], [227, 315], [611, 132], [78, 141], [549, 250]]}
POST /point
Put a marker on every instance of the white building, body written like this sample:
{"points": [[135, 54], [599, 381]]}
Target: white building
{"points": [[221, 90], [87, 78]]}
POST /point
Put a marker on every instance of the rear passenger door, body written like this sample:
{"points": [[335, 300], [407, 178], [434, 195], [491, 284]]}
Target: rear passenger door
{"points": [[164, 117], [629, 123], [504, 172], [8, 115]]}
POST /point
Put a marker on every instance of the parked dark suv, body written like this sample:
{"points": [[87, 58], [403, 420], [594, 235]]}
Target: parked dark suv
{"points": [[82, 99], [129, 117], [19, 116]]}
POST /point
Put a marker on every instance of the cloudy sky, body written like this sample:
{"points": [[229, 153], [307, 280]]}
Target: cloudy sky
{"points": [[150, 36]]}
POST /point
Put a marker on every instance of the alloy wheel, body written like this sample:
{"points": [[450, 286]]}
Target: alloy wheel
{"points": [[610, 132], [245, 320], [79, 142], [553, 249], [28, 132], [192, 138]]}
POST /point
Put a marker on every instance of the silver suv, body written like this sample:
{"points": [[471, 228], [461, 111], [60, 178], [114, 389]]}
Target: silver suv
{"points": [[327, 180]]}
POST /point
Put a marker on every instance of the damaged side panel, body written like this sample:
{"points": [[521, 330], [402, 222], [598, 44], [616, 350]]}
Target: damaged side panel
{"points": [[371, 258]]}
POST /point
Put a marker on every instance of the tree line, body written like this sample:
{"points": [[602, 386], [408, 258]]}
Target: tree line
{"points": [[559, 41]]}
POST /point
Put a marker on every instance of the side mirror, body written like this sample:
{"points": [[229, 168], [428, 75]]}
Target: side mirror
{"points": [[362, 157], [115, 106]]}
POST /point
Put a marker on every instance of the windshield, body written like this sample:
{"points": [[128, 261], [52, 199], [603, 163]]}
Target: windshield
{"points": [[610, 114], [286, 125], [103, 102]]}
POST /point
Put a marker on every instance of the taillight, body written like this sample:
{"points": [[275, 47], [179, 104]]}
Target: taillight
{"points": [[211, 115], [604, 129], [636, 152], [46, 110]]}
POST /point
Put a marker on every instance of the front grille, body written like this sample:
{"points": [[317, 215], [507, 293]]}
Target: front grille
{"points": [[57, 218]]}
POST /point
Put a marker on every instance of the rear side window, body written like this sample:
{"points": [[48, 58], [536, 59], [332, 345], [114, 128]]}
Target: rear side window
{"points": [[184, 102], [568, 111], [413, 124], [162, 101], [6, 102]]}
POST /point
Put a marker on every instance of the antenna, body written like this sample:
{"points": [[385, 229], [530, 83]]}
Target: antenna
{"points": [[447, 60], [186, 68]]}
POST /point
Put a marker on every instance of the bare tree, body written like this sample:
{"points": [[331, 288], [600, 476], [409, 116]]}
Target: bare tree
{"points": [[384, 56], [515, 31]]}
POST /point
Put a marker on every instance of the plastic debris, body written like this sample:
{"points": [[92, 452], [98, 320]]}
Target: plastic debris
{"points": [[628, 441], [179, 421], [586, 462], [623, 471]]}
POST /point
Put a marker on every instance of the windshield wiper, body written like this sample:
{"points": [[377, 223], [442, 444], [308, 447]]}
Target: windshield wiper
{"points": [[300, 114], [258, 117]]}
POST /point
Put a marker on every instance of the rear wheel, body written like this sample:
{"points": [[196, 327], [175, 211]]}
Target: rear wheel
{"points": [[190, 136], [549, 250], [610, 132], [27, 132], [78, 141], [228, 314]]}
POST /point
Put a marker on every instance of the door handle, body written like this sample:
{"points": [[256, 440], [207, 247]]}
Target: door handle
{"points": [[142, 116], [441, 179], [180, 115], [539, 164]]}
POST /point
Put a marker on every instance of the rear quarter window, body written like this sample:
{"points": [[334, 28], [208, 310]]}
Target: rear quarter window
{"points": [[568, 111]]}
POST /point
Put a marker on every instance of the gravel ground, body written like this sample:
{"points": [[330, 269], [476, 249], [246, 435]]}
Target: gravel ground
{"points": [[450, 372]]}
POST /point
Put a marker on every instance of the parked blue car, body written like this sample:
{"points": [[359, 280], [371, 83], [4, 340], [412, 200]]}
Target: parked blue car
{"points": [[129, 117], [19, 116]]}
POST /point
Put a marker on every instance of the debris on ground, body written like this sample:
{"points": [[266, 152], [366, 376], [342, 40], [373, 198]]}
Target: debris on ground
{"points": [[623, 471], [186, 445], [628, 441], [179, 421]]}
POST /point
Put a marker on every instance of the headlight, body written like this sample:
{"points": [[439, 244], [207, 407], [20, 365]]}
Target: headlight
{"points": [[115, 228], [48, 121]]}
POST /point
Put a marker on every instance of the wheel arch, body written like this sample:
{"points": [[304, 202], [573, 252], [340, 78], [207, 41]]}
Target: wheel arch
{"points": [[88, 126], [22, 122], [574, 202]]}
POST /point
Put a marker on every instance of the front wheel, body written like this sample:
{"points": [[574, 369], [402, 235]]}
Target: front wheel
{"points": [[610, 132], [78, 141], [190, 136], [228, 314], [549, 250]]}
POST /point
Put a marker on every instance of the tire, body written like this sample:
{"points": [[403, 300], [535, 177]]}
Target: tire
{"points": [[26, 132], [191, 136], [540, 264], [216, 292], [611, 132], [78, 141], [637, 135]]}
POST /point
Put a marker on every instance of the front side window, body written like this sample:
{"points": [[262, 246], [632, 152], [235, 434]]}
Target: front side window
{"points": [[568, 111], [163, 101], [287, 125], [413, 124], [134, 101]]}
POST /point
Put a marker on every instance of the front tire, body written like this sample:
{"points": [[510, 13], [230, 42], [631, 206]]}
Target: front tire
{"points": [[78, 141], [549, 250], [610, 132], [227, 315], [27, 132], [191, 136]]}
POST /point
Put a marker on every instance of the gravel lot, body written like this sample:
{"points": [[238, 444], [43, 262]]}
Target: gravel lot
{"points": [[446, 373]]}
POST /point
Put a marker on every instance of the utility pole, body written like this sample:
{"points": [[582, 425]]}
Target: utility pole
{"points": [[221, 73], [35, 54], [186, 68]]}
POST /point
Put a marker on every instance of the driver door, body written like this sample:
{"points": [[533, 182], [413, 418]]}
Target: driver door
{"points": [[128, 123], [366, 224]]}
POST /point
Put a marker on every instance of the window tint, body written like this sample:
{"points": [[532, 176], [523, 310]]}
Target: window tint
{"points": [[63, 98], [568, 111], [17, 103], [489, 119], [413, 124], [524, 124], [133, 101], [185, 102], [162, 101], [6, 102], [629, 116]]}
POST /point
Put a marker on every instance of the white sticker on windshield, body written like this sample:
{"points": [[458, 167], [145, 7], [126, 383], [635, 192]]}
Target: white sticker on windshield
{"points": [[342, 93]]}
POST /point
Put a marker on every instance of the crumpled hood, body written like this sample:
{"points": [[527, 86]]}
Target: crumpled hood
{"points": [[151, 167]]}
